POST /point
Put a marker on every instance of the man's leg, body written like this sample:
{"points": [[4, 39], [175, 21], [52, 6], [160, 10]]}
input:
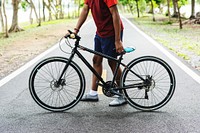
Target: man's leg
{"points": [[92, 95], [97, 65], [113, 65]]}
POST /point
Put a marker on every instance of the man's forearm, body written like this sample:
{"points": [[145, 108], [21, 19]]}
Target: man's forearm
{"points": [[83, 16], [116, 23]]}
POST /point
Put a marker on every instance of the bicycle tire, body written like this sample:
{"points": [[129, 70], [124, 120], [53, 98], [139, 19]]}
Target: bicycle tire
{"points": [[42, 84], [161, 90]]}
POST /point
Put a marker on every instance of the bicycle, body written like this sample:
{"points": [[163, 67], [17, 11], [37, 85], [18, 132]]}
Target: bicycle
{"points": [[58, 83]]}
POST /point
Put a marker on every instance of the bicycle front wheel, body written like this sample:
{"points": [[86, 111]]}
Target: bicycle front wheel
{"points": [[161, 88], [45, 91]]}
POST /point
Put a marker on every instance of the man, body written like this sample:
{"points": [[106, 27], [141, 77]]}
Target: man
{"points": [[108, 40]]}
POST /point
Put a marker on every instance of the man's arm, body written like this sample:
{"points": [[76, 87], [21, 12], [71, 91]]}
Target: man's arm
{"points": [[82, 18], [117, 27]]}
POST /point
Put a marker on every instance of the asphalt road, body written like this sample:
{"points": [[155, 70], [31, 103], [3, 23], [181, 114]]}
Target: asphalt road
{"points": [[20, 114]]}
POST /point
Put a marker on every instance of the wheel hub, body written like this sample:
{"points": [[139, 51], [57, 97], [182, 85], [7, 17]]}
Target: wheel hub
{"points": [[152, 86], [55, 86], [150, 82]]}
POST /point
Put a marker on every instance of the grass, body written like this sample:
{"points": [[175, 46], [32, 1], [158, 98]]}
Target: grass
{"points": [[28, 26], [183, 42], [29, 29]]}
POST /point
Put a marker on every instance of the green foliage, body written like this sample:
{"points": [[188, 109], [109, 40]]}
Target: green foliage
{"points": [[80, 2], [179, 41], [155, 2], [142, 5], [132, 4], [24, 5], [182, 3], [184, 56], [124, 2]]}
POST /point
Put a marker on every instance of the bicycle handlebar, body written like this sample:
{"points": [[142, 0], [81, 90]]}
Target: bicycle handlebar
{"points": [[72, 35]]}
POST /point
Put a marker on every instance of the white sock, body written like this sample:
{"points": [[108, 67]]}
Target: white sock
{"points": [[93, 93]]}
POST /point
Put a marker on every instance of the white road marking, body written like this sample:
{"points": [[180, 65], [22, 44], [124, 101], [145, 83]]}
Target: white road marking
{"points": [[175, 60], [30, 63], [187, 70], [26, 66]]}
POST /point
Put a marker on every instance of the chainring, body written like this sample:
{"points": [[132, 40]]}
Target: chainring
{"points": [[108, 88]]}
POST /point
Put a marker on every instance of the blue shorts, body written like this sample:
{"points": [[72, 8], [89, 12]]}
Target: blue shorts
{"points": [[106, 45]]}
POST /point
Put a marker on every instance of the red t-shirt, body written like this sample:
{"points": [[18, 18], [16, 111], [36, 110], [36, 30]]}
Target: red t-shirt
{"points": [[102, 16]]}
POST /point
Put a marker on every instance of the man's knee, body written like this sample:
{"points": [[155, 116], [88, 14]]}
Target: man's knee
{"points": [[112, 63], [97, 60]]}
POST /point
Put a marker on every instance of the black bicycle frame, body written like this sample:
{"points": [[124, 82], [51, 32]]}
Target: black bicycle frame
{"points": [[75, 51]]}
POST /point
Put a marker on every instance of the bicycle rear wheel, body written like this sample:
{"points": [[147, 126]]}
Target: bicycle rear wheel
{"points": [[49, 95], [161, 88]]}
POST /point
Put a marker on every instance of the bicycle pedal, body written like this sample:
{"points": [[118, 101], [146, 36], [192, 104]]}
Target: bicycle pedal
{"points": [[116, 93]]}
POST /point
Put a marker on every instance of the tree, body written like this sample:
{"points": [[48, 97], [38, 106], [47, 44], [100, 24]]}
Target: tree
{"points": [[178, 3], [152, 6], [49, 9], [59, 9], [192, 9], [131, 3], [4, 25], [43, 10], [168, 10], [175, 14], [131, 6], [39, 23], [137, 6], [30, 2], [1, 16], [15, 26]]}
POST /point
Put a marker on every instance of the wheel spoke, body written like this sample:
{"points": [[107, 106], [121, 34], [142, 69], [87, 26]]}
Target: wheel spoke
{"points": [[55, 97], [162, 83]]}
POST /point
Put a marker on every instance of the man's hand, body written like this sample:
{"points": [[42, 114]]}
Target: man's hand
{"points": [[76, 30], [119, 46]]}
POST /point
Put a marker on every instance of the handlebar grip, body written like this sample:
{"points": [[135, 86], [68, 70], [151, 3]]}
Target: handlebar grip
{"points": [[72, 35], [70, 32]]}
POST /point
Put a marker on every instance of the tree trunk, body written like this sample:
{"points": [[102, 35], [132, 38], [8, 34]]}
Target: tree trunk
{"points": [[130, 6], [5, 16], [153, 10], [15, 27], [33, 8], [175, 14], [49, 8], [138, 11], [168, 8], [179, 16], [61, 14], [30, 16], [1, 16], [79, 7], [39, 19], [59, 10], [192, 9], [43, 10], [68, 7], [53, 7]]}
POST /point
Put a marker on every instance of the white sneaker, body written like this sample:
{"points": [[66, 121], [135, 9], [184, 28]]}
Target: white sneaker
{"points": [[118, 101]]}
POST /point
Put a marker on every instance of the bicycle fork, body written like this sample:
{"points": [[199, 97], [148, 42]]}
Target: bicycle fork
{"points": [[61, 81]]}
